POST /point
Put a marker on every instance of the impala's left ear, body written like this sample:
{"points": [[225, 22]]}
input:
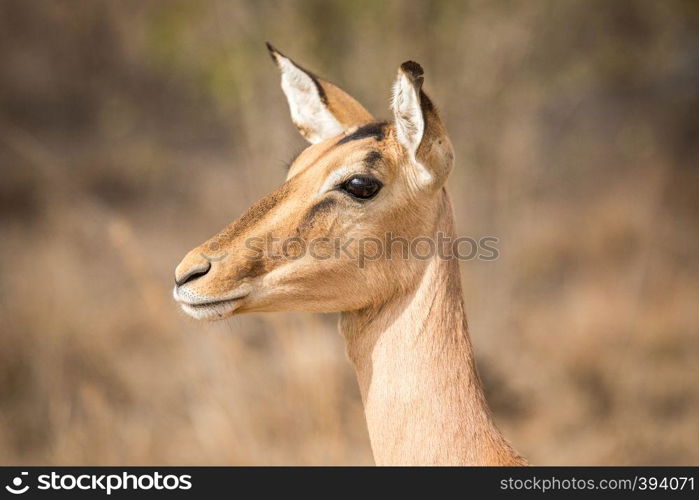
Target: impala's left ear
{"points": [[319, 109], [419, 129]]}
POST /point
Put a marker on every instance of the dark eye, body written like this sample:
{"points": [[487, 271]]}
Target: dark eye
{"points": [[362, 186]]}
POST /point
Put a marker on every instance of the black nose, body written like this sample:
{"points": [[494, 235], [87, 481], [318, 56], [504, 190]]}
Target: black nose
{"points": [[192, 274]]}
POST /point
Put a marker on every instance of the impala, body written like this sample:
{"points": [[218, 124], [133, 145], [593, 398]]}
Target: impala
{"points": [[403, 319]]}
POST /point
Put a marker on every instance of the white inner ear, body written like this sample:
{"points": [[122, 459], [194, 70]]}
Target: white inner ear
{"points": [[309, 113], [410, 123]]}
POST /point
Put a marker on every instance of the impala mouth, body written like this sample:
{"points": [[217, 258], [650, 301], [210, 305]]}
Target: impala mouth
{"points": [[210, 310]]}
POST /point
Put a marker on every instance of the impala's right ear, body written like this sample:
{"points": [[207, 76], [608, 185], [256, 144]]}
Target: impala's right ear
{"points": [[319, 109]]}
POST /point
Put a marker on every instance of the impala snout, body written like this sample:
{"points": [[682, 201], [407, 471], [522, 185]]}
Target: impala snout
{"points": [[199, 288]]}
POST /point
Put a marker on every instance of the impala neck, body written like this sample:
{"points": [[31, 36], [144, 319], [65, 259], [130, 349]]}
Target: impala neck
{"points": [[422, 396]]}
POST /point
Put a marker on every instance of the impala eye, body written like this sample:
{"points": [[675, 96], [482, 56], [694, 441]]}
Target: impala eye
{"points": [[362, 187]]}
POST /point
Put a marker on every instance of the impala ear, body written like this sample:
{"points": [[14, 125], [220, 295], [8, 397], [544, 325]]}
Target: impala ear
{"points": [[319, 109], [419, 129]]}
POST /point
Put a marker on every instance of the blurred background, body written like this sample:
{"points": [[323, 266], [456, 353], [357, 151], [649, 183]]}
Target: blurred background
{"points": [[132, 131]]}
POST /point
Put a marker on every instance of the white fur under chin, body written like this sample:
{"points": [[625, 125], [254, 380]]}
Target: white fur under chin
{"points": [[211, 313], [308, 111], [203, 311]]}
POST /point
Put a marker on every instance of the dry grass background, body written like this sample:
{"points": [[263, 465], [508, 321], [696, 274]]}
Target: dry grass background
{"points": [[131, 131]]}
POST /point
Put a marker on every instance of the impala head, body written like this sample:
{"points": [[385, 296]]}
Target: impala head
{"points": [[313, 243]]}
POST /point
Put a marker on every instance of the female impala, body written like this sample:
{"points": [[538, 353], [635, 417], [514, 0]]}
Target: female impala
{"points": [[403, 319]]}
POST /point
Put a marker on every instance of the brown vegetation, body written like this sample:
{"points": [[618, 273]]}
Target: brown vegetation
{"points": [[132, 131]]}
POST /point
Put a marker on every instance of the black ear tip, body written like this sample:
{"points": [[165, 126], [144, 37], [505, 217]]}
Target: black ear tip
{"points": [[412, 69], [272, 51]]}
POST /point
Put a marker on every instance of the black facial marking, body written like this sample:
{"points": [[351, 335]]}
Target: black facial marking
{"points": [[323, 206], [375, 130], [372, 159]]}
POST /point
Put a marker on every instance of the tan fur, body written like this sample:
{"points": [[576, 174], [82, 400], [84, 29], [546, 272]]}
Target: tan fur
{"points": [[347, 110], [403, 320], [422, 395]]}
